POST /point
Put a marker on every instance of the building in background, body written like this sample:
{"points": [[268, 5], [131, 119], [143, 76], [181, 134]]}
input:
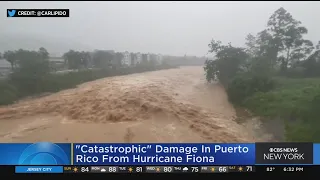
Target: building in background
{"points": [[148, 57], [111, 57], [57, 64], [126, 60], [144, 58], [5, 68], [159, 59], [138, 58]]}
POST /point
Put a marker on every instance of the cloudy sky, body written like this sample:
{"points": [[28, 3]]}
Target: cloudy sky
{"points": [[174, 28]]}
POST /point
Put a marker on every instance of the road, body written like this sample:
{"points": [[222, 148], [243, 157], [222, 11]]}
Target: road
{"points": [[175, 105]]}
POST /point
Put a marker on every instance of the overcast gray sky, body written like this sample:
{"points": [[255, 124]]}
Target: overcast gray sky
{"points": [[174, 28]]}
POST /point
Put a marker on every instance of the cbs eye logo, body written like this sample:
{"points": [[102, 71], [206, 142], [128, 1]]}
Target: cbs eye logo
{"points": [[43, 153]]}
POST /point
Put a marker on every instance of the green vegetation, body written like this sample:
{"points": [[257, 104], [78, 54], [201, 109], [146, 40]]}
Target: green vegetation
{"points": [[33, 74], [276, 76], [296, 101]]}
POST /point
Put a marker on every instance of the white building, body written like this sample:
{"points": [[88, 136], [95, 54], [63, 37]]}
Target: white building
{"points": [[148, 57], [159, 59], [5, 68], [126, 59], [138, 58]]}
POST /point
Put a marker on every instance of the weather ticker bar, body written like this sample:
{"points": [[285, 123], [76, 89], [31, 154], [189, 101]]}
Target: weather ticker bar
{"points": [[159, 169], [191, 169]]}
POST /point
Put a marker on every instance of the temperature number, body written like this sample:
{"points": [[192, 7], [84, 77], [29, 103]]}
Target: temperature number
{"points": [[139, 169], [194, 169], [112, 169], [249, 168], [84, 169], [167, 169], [222, 169]]}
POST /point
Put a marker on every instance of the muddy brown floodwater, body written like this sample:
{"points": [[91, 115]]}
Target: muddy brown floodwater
{"points": [[175, 105]]}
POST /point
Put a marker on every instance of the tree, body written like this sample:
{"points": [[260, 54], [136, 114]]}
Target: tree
{"points": [[77, 59], [102, 59], [33, 62], [211, 70], [85, 59], [287, 37], [31, 70], [10, 56], [43, 53], [73, 59], [252, 47], [300, 50], [312, 64], [0, 55], [318, 45], [228, 61]]}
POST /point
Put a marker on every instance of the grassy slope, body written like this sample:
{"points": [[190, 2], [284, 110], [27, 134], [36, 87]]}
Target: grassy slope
{"points": [[293, 101]]}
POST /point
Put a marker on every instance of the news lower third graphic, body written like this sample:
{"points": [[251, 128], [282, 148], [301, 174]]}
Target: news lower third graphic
{"points": [[285, 153], [42, 153], [38, 12], [120, 154], [163, 154]]}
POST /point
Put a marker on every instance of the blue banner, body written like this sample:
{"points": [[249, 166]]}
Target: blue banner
{"points": [[316, 153], [39, 169], [46, 153], [42, 153], [163, 154]]}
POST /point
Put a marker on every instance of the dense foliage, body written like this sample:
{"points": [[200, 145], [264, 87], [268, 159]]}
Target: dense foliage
{"points": [[252, 74]]}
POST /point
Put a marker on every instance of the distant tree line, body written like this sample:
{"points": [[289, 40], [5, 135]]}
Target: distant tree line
{"points": [[34, 73], [99, 59]]}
